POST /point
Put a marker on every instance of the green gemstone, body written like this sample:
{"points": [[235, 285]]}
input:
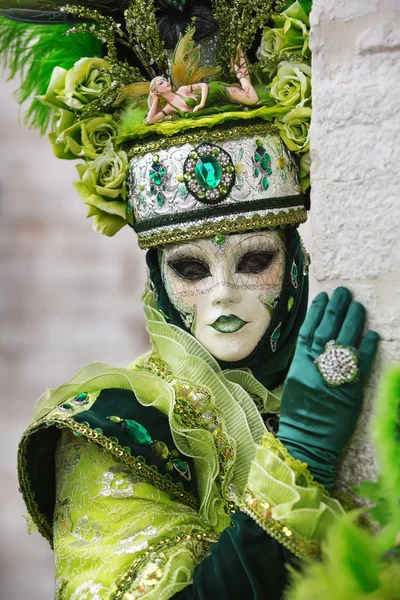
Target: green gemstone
{"points": [[256, 172], [294, 271], [82, 397], [153, 189], [269, 171], [174, 453], [219, 239], [98, 430], [230, 169], [157, 179], [267, 156], [193, 154], [156, 158], [259, 142], [201, 195], [160, 199], [114, 419], [215, 151], [136, 432], [257, 157], [160, 450], [264, 163], [180, 465], [128, 207], [169, 466], [66, 406], [208, 172], [223, 190], [265, 183], [290, 303], [276, 334]]}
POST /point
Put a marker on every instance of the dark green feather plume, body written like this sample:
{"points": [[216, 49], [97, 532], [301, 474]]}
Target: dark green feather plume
{"points": [[31, 52]]}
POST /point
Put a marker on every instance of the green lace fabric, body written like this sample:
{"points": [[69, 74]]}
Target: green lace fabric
{"points": [[117, 536]]}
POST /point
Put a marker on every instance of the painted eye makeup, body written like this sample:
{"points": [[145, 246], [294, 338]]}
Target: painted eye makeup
{"points": [[190, 268], [255, 261]]}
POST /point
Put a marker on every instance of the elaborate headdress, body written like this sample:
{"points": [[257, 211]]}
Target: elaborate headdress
{"points": [[188, 118]]}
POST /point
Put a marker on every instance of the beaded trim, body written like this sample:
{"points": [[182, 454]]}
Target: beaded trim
{"points": [[149, 473], [195, 409], [195, 137], [146, 571], [171, 235], [260, 512]]}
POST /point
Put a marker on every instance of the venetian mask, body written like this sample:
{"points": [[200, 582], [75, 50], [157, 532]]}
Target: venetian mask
{"points": [[226, 288]]}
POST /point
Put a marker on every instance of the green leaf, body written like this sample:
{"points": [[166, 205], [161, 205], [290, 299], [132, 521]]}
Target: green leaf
{"points": [[306, 5]]}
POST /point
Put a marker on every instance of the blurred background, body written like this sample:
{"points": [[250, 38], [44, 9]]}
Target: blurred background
{"points": [[69, 296]]}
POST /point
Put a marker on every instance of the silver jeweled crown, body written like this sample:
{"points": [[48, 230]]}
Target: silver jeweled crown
{"points": [[229, 181]]}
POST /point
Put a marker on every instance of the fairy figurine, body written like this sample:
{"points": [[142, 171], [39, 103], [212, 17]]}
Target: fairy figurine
{"points": [[187, 94]]}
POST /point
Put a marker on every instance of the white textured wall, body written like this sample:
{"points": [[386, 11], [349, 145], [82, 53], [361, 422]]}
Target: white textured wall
{"points": [[355, 213]]}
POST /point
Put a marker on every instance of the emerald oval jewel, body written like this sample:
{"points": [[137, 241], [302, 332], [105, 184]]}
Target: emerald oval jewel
{"points": [[208, 172], [136, 432], [160, 199], [269, 171], [160, 450], [265, 183], [181, 466], [66, 406], [256, 172], [81, 397], [290, 303], [264, 163], [276, 334], [294, 271], [259, 142], [157, 179], [153, 189]]}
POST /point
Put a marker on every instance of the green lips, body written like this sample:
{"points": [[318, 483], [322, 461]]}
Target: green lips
{"points": [[228, 324]]}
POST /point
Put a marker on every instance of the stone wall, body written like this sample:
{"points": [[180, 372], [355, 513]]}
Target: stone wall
{"points": [[355, 214]]}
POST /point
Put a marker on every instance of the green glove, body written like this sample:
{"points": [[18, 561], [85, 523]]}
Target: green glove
{"points": [[318, 418]]}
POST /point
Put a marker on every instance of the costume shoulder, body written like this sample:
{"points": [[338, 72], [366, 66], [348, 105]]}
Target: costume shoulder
{"points": [[111, 417]]}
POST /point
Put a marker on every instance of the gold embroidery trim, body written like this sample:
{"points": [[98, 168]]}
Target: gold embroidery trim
{"points": [[146, 571], [260, 512], [122, 453], [170, 235], [194, 137]]}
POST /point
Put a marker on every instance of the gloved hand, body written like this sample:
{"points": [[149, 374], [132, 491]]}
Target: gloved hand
{"points": [[317, 419]]}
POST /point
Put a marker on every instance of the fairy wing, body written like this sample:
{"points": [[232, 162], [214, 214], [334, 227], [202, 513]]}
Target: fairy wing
{"points": [[134, 91], [185, 69]]}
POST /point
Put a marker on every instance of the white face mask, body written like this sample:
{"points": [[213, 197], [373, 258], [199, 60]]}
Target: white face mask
{"points": [[226, 288]]}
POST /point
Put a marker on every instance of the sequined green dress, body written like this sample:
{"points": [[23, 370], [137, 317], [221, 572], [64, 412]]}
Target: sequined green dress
{"points": [[160, 481]]}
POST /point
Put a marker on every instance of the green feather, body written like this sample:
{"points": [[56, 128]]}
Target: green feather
{"points": [[386, 432], [31, 52]]}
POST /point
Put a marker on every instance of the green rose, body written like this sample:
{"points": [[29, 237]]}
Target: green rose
{"points": [[102, 188], [272, 43], [56, 85], [296, 25], [87, 79], [294, 128], [292, 84], [87, 138]]}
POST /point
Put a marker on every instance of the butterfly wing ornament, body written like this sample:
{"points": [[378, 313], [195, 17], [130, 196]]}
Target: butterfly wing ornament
{"points": [[185, 69], [135, 91]]}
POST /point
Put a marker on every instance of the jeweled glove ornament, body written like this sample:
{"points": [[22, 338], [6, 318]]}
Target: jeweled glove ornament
{"points": [[321, 402], [338, 364]]}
